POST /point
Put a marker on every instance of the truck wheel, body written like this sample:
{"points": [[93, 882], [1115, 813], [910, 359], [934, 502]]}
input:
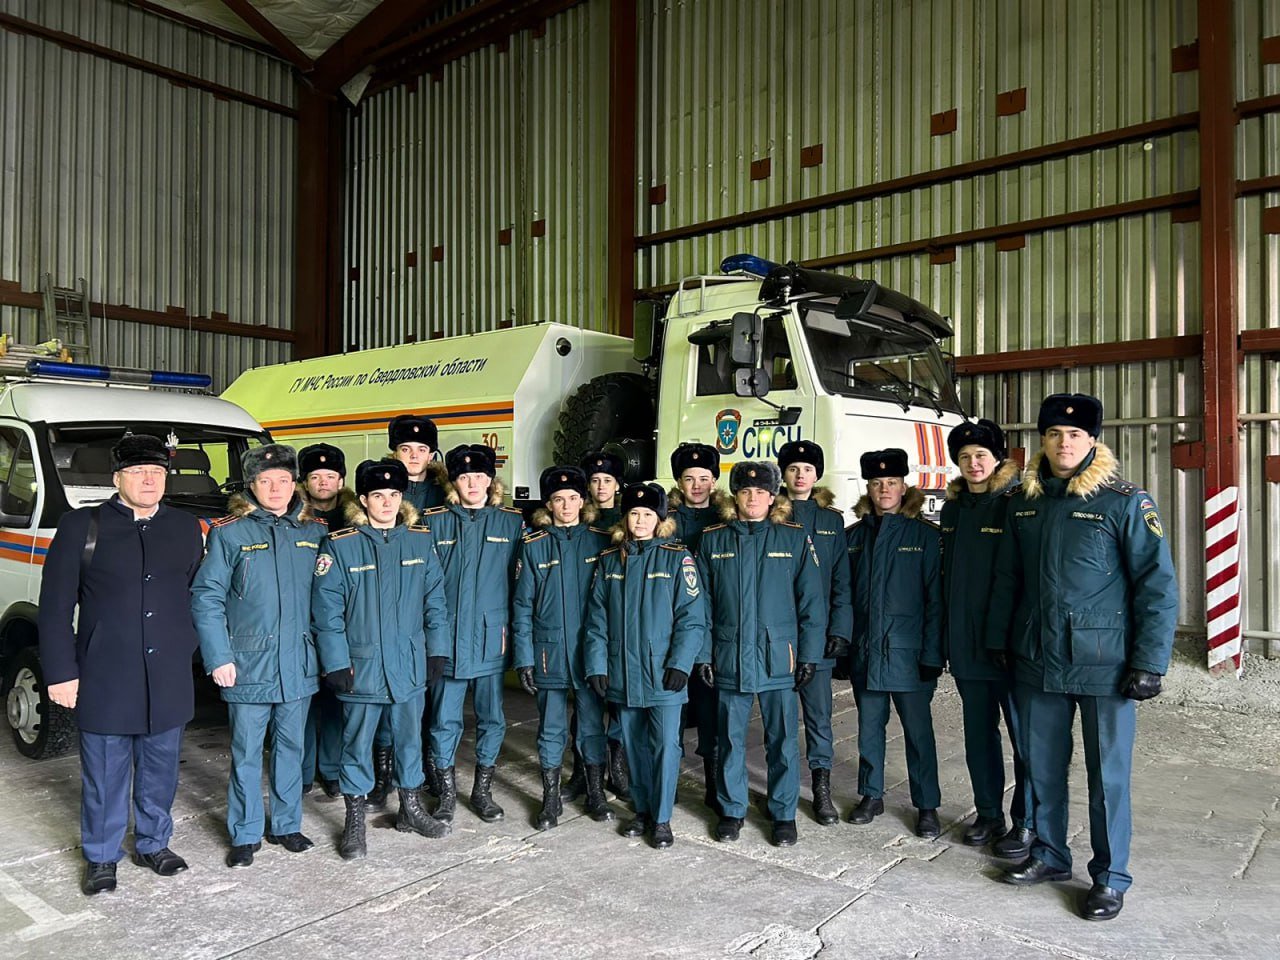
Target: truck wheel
{"points": [[614, 409], [41, 728]]}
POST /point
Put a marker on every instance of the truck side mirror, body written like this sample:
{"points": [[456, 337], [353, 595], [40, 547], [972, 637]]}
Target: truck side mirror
{"points": [[751, 381], [744, 349], [646, 326]]}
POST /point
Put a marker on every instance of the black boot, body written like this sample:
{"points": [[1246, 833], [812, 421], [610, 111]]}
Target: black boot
{"points": [[868, 809], [619, 776], [598, 808], [431, 782], [482, 797], [549, 815], [709, 797], [447, 781], [413, 817], [577, 784], [352, 845], [824, 811], [383, 763]]}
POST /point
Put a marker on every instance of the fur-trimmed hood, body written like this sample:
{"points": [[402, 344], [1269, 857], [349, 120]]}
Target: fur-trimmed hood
{"points": [[912, 504], [1085, 483], [436, 472], [590, 514], [1002, 478], [496, 491], [822, 496], [675, 498], [357, 516], [665, 531], [241, 505], [346, 497], [780, 512]]}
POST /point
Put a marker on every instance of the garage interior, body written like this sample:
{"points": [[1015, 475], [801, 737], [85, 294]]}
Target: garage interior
{"points": [[1089, 189]]}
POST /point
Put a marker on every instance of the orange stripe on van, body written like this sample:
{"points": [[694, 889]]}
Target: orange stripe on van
{"points": [[459, 413]]}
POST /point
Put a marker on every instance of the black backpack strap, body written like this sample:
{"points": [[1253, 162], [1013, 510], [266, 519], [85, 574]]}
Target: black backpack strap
{"points": [[90, 541]]}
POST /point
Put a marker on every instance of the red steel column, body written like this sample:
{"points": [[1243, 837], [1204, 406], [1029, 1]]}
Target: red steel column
{"points": [[1221, 348]]}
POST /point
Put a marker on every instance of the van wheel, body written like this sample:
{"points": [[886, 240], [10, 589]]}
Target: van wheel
{"points": [[41, 728], [613, 410]]}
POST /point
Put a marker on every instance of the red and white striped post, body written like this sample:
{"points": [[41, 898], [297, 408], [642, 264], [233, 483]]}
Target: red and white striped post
{"points": [[1222, 579]]}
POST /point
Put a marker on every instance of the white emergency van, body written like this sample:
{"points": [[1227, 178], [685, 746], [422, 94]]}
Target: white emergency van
{"points": [[58, 422], [746, 359]]}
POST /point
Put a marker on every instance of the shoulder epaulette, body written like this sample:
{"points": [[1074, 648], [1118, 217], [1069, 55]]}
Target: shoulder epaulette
{"points": [[511, 510], [835, 511], [320, 520], [339, 534], [674, 545], [1122, 487], [223, 521], [790, 523], [432, 511], [536, 535], [608, 550], [603, 533], [714, 526], [927, 522], [419, 528], [1012, 491]]}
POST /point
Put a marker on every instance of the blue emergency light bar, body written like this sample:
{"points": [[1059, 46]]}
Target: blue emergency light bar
{"points": [[90, 371], [749, 264]]}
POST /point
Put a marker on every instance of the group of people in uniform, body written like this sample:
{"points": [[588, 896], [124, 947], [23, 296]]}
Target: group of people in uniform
{"points": [[349, 625]]}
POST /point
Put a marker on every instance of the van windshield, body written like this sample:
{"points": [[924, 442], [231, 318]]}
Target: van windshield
{"points": [[858, 358], [205, 468]]}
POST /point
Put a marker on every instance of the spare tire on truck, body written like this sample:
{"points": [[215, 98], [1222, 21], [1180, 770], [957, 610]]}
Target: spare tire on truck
{"points": [[614, 412]]}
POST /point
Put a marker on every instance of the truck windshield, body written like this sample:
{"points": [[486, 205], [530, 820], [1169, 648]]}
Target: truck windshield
{"points": [[857, 358], [205, 469]]}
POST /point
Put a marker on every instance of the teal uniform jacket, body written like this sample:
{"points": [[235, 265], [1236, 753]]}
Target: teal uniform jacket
{"points": [[769, 609], [429, 493], [377, 601], [337, 518], [251, 601], [825, 526], [690, 521], [553, 585], [608, 517], [897, 597], [478, 550], [1085, 588], [646, 614], [972, 525]]}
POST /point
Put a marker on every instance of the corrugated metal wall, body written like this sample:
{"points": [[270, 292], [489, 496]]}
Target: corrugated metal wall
{"points": [[503, 141], [160, 196]]}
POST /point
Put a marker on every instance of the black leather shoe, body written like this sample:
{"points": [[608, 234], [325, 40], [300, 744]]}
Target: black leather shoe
{"points": [[1031, 871], [868, 809], [662, 836], [728, 829], [784, 833], [982, 831], [332, 789], [1102, 903], [98, 878], [927, 825], [164, 862], [637, 827], [1014, 845], [241, 855], [293, 842], [306, 788]]}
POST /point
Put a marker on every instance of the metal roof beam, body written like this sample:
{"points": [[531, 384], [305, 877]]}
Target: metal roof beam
{"points": [[269, 32], [360, 47]]}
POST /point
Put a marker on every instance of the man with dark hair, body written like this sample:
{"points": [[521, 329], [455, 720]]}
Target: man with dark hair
{"points": [[413, 440], [125, 667], [1085, 602]]}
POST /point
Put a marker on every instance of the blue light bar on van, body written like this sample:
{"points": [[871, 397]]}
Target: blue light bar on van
{"points": [[746, 263], [100, 374]]}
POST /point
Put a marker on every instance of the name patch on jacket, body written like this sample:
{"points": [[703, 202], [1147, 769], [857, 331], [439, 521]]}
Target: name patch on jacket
{"points": [[249, 547], [825, 533], [412, 563], [445, 543], [323, 563], [658, 575], [911, 549], [781, 554], [590, 560], [987, 529], [496, 540], [363, 568], [306, 543], [1024, 513], [953, 529], [1085, 515], [723, 556], [614, 576], [548, 564], [689, 570]]}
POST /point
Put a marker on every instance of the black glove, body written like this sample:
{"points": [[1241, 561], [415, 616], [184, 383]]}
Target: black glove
{"points": [[1000, 659], [705, 674], [435, 669], [1141, 685], [833, 645], [841, 670], [804, 673], [341, 681], [928, 673], [599, 683], [674, 680], [526, 679]]}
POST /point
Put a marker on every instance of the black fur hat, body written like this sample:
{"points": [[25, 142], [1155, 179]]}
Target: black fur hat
{"points": [[801, 451], [689, 455], [272, 456], [600, 462], [755, 473], [470, 458], [411, 428], [647, 495], [1071, 410], [979, 433], [321, 456], [381, 475], [884, 463], [555, 479], [139, 450]]}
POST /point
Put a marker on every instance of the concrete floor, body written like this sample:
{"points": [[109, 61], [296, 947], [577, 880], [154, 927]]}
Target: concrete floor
{"points": [[1205, 858]]}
